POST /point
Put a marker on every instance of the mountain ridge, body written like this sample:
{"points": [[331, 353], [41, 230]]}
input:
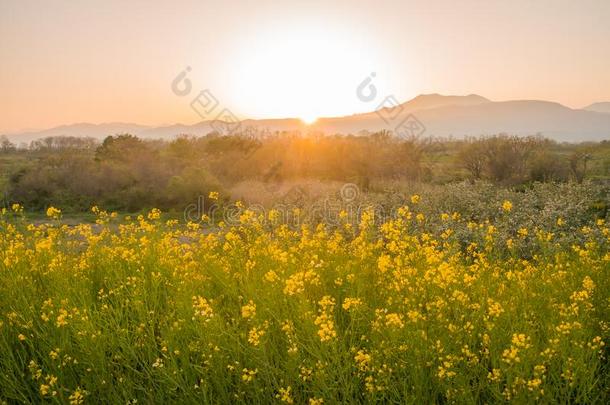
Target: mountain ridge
{"points": [[440, 115], [602, 107]]}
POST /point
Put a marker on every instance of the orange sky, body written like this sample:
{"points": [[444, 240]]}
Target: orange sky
{"points": [[66, 61]]}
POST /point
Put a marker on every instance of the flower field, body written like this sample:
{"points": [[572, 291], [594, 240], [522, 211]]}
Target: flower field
{"points": [[148, 310]]}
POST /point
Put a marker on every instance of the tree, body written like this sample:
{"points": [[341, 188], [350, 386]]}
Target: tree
{"points": [[119, 147], [578, 163], [472, 158], [63, 143], [6, 145]]}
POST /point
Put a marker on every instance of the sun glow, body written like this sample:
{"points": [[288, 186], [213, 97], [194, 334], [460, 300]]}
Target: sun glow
{"points": [[309, 119], [305, 72]]}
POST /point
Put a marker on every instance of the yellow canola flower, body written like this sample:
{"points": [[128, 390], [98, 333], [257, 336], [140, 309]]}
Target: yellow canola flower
{"points": [[248, 310], [53, 213], [349, 303], [254, 336], [248, 375], [284, 395], [202, 307], [363, 360], [77, 397], [155, 213]]}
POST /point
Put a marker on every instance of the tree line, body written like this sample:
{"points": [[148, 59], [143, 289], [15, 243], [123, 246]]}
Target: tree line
{"points": [[127, 173]]}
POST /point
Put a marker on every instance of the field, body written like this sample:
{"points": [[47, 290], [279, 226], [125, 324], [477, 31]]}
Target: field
{"points": [[414, 307]]}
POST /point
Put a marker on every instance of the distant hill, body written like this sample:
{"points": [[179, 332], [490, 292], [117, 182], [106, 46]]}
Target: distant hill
{"points": [[80, 129], [442, 116], [428, 101], [473, 115], [603, 107], [524, 117]]}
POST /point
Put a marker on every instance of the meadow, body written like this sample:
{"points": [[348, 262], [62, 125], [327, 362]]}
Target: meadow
{"points": [[463, 294]]}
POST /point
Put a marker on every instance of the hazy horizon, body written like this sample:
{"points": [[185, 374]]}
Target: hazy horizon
{"points": [[67, 63]]}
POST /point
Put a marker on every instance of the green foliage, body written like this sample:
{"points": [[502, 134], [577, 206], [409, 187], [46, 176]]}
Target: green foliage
{"points": [[131, 174]]}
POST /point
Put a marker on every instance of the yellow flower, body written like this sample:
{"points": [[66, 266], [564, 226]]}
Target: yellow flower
{"points": [[324, 320], [248, 375], [213, 195], [349, 303], [284, 395], [202, 307], [414, 315], [155, 213], [327, 327], [511, 355], [273, 215], [254, 336], [62, 318], [534, 384], [53, 213], [588, 284], [507, 206], [248, 310], [77, 397], [521, 340], [494, 375], [394, 320], [54, 354], [271, 276], [363, 359], [384, 263], [495, 309], [415, 199]]}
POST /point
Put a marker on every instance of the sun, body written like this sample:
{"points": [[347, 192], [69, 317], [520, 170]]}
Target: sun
{"points": [[299, 71], [309, 119]]}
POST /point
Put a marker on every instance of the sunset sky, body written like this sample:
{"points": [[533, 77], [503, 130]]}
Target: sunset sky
{"points": [[72, 61]]}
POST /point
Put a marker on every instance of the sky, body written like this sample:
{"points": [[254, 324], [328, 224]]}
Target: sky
{"points": [[64, 62]]}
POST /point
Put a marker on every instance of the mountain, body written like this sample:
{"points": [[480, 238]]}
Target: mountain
{"points": [[422, 102], [431, 114], [444, 116], [524, 117], [99, 131], [205, 127], [428, 101], [603, 107]]}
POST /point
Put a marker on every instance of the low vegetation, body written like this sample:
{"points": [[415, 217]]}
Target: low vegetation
{"points": [[126, 173]]}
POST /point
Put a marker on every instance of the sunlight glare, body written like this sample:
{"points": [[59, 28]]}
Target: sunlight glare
{"points": [[308, 119], [305, 72]]}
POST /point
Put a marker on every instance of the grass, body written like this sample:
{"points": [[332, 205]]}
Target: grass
{"points": [[150, 310]]}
